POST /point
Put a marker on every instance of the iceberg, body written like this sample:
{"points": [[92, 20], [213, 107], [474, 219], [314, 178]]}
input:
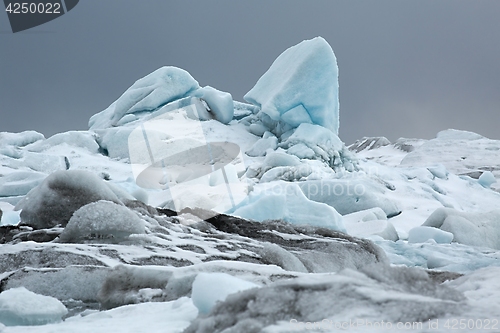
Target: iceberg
{"points": [[301, 86], [220, 103], [475, 229], [316, 142], [423, 234], [283, 200], [162, 86], [348, 196], [20, 307], [487, 179], [9, 218], [210, 288]]}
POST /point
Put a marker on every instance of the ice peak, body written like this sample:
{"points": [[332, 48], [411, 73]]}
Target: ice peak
{"points": [[165, 85], [301, 86]]}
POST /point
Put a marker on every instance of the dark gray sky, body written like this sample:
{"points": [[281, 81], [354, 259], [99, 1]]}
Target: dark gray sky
{"points": [[407, 68]]}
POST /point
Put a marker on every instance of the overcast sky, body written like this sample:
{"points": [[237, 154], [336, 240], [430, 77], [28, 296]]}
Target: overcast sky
{"points": [[407, 68]]}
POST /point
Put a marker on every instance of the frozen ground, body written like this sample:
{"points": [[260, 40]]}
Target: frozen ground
{"points": [[181, 210]]}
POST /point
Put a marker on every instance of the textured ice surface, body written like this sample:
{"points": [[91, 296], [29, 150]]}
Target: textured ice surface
{"points": [[483, 292], [438, 171], [257, 252], [60, 195], [102, 219], [74, 282], [369, 143], [112, 141], [19, 307], [154, 283], [377, 293], [301, 86], [19, 159], [453, 134]]}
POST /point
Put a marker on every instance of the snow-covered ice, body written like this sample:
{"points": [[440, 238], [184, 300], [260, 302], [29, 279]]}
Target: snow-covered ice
{"points": [[103, 219], [219, 102]]}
